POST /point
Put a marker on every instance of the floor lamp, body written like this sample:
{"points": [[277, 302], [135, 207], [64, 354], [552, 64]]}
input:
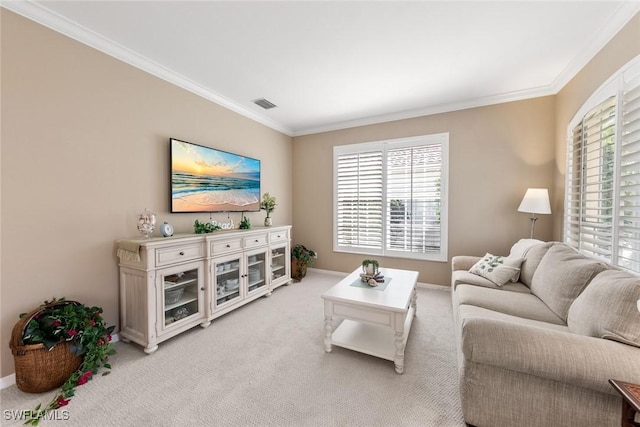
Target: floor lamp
{"points": [[535, 201]]}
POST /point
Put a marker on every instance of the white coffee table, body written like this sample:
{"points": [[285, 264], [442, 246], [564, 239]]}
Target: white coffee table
{"points": [[375, 321]]}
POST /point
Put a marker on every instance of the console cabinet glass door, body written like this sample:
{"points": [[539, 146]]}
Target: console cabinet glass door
{"points": [[227, 274], [256, 274], [181, 295], [280, 262]]}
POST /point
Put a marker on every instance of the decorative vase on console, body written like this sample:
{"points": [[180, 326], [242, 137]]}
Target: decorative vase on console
{"points": [[268, 204], [146, 223]]}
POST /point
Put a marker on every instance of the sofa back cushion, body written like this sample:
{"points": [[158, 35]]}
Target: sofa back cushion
{"points": [[607, 308], [561, 276], [532, 258]]}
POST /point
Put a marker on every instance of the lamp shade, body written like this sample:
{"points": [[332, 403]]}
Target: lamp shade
{"points": [[536, 200]]}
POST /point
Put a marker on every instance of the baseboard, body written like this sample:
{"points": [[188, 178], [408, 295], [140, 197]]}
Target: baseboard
{"points": [[434, 287], [331, 272], [9, 380]]}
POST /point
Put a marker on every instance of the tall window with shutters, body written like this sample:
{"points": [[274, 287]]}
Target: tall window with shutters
{"points": [[390, 197], [602, 205]]}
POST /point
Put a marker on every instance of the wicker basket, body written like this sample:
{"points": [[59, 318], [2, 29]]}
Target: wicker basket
{"points": [[38, 369]]}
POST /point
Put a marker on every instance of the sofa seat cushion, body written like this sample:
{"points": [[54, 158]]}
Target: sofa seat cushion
{"points": [[561, 276], [553, 354], [607, 308], [518, 304], [467, 312], [460, 277]]}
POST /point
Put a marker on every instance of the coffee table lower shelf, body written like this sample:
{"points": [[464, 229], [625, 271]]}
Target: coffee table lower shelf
{"points": [[378, 341]]}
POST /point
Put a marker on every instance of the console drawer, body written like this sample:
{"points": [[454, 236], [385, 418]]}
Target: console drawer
{"points": [[177, 254], [257, 240], [226, 246], [279, 236]]}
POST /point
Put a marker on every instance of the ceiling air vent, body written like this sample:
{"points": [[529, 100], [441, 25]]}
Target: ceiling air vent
{"points": [[264, 103]]}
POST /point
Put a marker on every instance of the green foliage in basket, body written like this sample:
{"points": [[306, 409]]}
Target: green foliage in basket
{"points": [[89, 335], [204, 227]]}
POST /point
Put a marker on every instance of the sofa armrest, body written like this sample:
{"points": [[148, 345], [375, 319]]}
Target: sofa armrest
{"points": [[556, 355], [463, 262]]}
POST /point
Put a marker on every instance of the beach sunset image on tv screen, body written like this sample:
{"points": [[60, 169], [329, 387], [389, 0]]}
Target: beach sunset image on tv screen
{"points": [[204, 179]]}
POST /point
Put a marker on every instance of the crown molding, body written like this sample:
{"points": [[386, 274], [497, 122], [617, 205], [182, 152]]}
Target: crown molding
{"points": [[436, 109], [60, 24], [623, 14]]}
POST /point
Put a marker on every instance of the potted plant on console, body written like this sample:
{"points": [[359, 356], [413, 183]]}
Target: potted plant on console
{"points": [[301, 258], [268, 204]]}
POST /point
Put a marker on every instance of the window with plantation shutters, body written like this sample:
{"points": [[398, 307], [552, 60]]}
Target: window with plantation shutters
{"points": [[628, 217], [359, 200], [602, 207], [590, 195], [390, 198]]}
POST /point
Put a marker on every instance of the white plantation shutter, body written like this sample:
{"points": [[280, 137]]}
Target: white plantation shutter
{"points": [[590, 193], [629, 177], [413, 198], [390, 198], [602, 207], [359, 200]]}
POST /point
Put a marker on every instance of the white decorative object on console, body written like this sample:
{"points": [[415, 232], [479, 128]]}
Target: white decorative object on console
{"points": [[175, 283]]}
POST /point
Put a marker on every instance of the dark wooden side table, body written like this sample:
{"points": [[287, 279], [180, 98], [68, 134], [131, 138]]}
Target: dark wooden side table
{"points": [[630, 402]]}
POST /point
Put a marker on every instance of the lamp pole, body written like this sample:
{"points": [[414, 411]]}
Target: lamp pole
{"points": [[533, 219]]}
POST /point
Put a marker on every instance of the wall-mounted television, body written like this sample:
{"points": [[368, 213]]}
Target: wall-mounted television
{"points": [[205, 179]]}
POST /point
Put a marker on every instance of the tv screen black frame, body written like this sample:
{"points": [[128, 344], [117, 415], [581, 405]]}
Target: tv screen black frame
{"points": [[206, 179]]}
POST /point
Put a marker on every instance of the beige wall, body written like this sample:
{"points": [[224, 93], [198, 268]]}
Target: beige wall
{"points": [[495, 153], [84, 149], [620, 50]]}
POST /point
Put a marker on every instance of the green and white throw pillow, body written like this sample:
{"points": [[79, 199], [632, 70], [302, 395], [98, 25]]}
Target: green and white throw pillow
{"points": [[498, 269]]}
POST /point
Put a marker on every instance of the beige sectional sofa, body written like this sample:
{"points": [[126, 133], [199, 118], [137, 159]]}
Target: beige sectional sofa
{"points": [[539, 349]]}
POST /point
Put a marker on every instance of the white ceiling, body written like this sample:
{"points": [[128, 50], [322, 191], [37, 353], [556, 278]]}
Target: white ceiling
{"points": [[331, 65]]}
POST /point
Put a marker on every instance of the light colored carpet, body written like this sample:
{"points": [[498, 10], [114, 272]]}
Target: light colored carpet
{"points": [[265, 365]]}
